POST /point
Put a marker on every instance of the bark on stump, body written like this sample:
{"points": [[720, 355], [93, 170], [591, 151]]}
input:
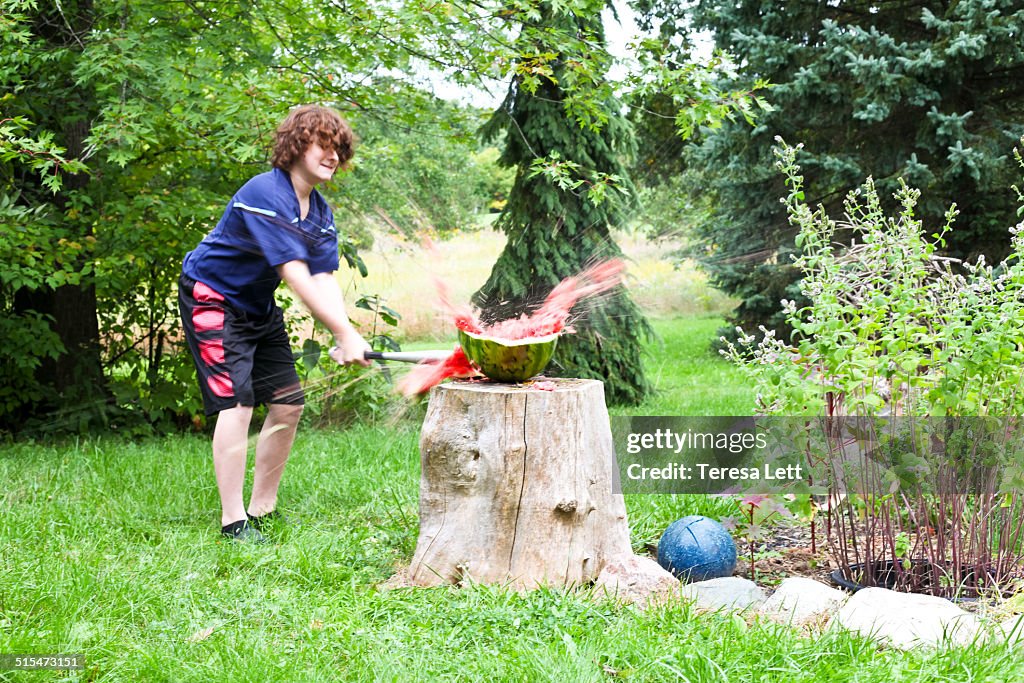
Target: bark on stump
{"points": [[516, 486]]}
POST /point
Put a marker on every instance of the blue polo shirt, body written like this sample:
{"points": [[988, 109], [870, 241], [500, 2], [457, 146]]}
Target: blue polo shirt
{"points": [[261, 229]]}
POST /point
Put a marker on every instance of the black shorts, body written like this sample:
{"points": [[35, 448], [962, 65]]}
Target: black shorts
{"points": [[239, 360]]}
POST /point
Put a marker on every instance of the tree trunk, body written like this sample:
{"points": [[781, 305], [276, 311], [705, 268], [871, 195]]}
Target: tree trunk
{"points": [[73, 308], [77, 374], [516, 486]]}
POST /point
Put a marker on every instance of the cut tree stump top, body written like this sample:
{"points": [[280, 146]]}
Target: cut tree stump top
{"points": [[561, 384]]}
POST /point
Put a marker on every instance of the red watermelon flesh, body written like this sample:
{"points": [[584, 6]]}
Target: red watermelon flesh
{"points": [[552, 318]]}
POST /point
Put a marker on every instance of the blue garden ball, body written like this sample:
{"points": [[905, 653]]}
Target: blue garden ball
{"points": [[696, 548]]}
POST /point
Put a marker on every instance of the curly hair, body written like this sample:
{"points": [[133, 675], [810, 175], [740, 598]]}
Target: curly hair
{"points": [[306, 125]]}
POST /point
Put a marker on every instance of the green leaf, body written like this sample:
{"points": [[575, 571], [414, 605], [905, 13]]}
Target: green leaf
{"points": [[311, 353]]}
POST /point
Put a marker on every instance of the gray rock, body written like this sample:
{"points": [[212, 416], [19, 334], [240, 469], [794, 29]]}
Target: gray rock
{"points": [[905, 620], [1011, 630], [636, 580], [729, 593], [799, 601]]}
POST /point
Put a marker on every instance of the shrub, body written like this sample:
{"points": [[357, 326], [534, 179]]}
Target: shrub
{"points": [[892, 329], [344, 394], [891, 325]]}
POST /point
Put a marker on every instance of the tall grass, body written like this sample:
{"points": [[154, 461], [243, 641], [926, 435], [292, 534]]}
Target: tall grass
{"points": [[403, 272]]}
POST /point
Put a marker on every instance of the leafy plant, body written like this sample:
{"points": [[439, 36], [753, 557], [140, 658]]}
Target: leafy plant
{"points": [[39, 154], [337, 393], [756, 513], [892, 326], [904, 350], [384, 318]]}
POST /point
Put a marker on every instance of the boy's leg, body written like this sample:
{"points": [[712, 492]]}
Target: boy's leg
{"points": [[230, 444], [276, 385], [272, 450], [220, 340]]}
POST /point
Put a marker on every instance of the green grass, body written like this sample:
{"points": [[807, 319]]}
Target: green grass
{"points": [[689, 377], [110, 548]]}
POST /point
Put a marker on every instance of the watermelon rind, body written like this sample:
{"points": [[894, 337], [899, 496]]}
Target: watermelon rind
{"points": [[508, 360]]}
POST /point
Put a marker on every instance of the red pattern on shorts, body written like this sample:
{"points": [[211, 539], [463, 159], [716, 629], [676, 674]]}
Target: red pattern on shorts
{"points": [[220, 384], [204, 294], [206, 319], [212, 351]]}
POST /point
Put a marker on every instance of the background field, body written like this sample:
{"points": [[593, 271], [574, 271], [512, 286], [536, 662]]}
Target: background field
{"points": [[404, 273], [110, 547]]}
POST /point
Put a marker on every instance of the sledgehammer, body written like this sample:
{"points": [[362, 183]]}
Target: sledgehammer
{"points": [[432, 356], [435, 356]]}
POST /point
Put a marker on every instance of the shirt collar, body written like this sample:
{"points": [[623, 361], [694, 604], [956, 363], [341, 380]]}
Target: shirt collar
{"points": [[284, 184]]}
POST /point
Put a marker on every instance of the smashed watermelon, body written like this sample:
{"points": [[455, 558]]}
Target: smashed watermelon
{"points": [[508, 360]]}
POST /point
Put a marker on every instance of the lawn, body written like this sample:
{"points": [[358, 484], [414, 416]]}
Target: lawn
{"points": [[110, 549]]}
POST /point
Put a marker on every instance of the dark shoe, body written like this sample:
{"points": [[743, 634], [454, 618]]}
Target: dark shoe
{"points": [[243, 532], [269, 520]]}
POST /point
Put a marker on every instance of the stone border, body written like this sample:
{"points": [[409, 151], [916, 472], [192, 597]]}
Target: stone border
{"points": [[891, 618]]}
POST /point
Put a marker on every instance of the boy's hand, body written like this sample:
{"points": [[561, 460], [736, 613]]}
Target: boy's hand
{"points": [[350, 348]]}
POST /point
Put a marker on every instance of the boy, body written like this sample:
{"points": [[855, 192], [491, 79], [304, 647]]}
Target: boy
{"points": [[277, 227]]}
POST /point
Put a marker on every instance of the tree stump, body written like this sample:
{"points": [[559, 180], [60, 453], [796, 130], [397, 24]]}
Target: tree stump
{"points": [[516, 486]]}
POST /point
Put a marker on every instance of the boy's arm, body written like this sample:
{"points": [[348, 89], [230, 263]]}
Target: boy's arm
{"points": [[322, 296]]}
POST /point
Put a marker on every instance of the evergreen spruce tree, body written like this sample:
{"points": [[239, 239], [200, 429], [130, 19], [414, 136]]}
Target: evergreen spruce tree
{"points": [[554, 232], [929, 91]]}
